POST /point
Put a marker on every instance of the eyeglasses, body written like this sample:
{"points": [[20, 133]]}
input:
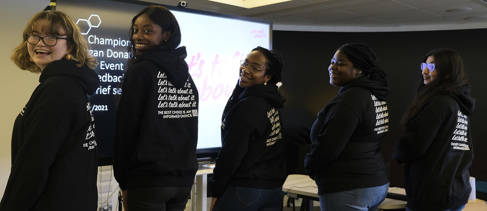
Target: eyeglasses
{"points": [[252, 66], [49, 40], [430, 66]]}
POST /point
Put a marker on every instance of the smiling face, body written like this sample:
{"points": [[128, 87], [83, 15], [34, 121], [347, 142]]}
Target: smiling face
{"points": [[146, 34], [429, 75], [341, 70], [253, 70], [40, 53]]}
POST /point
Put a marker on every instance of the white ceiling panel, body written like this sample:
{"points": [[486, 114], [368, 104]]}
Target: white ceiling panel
{"points": [[345, 15]]}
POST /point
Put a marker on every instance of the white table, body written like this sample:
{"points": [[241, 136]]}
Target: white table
{"points": [[199, 198]]}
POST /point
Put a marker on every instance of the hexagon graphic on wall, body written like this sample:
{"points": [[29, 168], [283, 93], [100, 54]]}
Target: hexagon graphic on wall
{"points": [[85, 25], [94, 20]]}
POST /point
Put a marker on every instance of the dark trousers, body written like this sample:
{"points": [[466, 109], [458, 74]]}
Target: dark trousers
{"points": [[158, 198], [250, 199], [360, 199]]}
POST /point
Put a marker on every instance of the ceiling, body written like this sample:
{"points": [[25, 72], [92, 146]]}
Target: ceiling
{"points": [[358, 15]]}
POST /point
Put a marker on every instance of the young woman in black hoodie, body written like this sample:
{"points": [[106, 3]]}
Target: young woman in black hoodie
{"points": [[250, 168], [157, 117], [346, 160], [53, 142], [436, 147]]}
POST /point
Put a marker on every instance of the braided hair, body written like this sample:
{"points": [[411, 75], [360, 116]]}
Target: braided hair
{"points": [[273, 66], [364, 59]]}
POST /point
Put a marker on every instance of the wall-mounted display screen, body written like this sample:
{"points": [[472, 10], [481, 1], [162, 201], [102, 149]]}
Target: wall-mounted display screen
{"points": [[215, 45]]}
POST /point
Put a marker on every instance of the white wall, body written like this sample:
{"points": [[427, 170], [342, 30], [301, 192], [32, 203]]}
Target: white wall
{"points": [[16, 85]]}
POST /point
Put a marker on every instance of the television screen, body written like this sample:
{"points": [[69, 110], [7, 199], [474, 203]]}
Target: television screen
{"points": [[215, 45]]}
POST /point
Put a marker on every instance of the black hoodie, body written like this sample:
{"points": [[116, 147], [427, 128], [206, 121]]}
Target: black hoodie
{"points": [[437, 151], [157, 122], [53, 144], [345, 152], [252, 153]]}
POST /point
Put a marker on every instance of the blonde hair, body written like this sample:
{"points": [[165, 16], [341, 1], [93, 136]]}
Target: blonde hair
{"points": [[76, 42]]}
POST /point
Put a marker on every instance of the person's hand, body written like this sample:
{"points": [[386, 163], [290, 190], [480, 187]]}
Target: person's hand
{"points": [[124, 200], [213, 201]]}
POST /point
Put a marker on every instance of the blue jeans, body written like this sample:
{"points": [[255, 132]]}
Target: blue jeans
{"points": [[363, 199], [250, 199], [455, 209], [158, 198]]}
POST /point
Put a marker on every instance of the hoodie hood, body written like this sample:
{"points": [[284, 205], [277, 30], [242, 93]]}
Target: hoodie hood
{"points": [[87, 78], [464, 99], [378, 89], [268, 92], [171, 61]]}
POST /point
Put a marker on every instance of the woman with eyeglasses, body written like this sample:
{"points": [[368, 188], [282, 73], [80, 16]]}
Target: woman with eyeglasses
{"points": [[157, 117], [436, 147], [53, 141], [345, 159], [250, 168]]}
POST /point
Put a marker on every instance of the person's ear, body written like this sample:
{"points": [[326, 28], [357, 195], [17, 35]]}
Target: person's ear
{"points": [[166, 35], [69, 52], [357, 72], [267, 78]]}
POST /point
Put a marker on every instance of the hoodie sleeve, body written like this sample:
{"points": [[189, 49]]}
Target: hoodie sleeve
{"points": [[136, 87], [47, 125], [246, 120], [331, 132], [422, 130]]}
